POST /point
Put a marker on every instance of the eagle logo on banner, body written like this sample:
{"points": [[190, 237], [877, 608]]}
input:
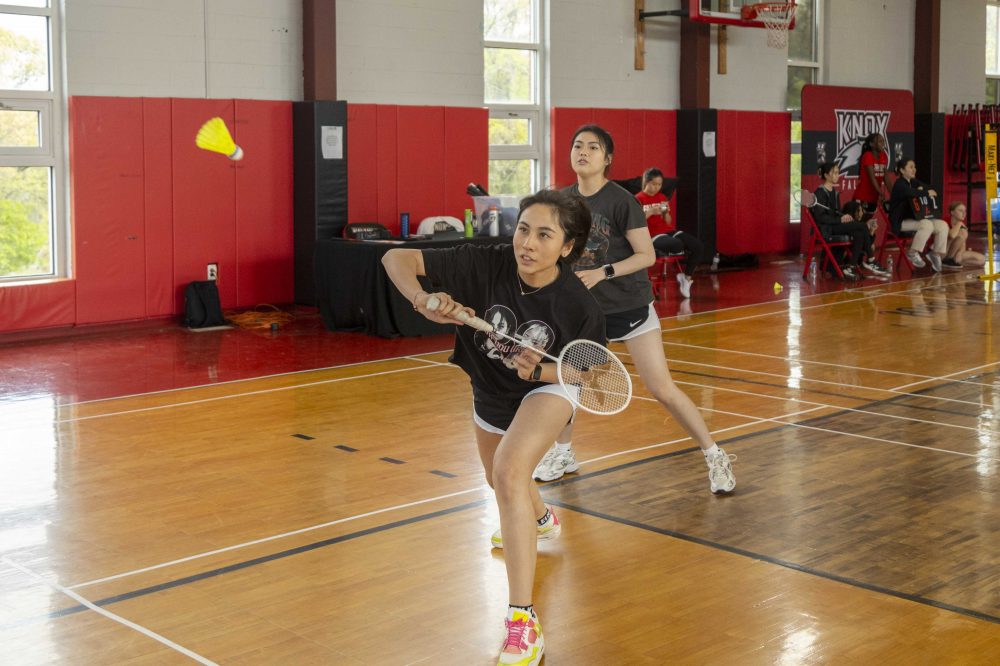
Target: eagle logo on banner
{"points": [[852, 128]]}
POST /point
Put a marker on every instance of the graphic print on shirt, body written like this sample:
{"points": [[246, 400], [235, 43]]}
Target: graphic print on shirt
{"points": [[535, 333], [596, 251]]}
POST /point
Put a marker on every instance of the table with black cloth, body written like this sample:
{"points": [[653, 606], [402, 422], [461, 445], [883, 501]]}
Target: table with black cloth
{"points": [[354, 292]]}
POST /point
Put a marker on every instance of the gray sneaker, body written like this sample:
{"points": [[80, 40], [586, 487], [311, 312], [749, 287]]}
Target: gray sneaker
{"points": [[915, 259], [935, 260], [554, 464], [720, 472]]}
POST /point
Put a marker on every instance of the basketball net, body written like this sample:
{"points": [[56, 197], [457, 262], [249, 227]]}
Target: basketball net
{"points": [[776, 17]]}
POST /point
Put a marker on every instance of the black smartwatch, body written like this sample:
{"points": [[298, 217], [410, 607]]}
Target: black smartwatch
{"points": [[609, 271], [536, 374]]}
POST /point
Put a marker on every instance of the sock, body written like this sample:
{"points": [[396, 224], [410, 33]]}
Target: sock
{"points": [[530, 608], [541, 521], [563, 447], [713, 451]]}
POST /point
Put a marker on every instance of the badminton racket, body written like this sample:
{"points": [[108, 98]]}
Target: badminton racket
{"points": [[807, 199], [595, 379]]}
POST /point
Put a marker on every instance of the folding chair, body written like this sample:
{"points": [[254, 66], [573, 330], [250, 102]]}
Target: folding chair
{"points": [[818, 242], [901, 242], [658, 271]]}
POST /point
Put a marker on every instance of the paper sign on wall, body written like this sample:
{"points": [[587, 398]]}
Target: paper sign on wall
{"points": [[708, 144], [332, 142]]}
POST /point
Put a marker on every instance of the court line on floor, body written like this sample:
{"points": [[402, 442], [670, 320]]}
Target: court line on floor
{"points": [[948, 377], [833, 365], [802, 568], [111, 616], [273, 537]]}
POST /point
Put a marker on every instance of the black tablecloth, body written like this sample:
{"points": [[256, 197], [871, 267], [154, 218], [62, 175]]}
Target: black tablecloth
{"points": [[354, 293]]}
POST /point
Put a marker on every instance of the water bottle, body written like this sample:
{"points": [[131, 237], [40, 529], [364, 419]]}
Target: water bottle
{"points": [[468, 223], [890, 264], [813, 269], [404, 225], [493, 221], [715, 262]]}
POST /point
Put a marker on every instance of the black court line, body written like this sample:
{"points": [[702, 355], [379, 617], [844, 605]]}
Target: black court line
{"points": [[306, 437], [400, 523], [394, 461], [346, 448], [125, 596], [447, 475], [782, 563]]}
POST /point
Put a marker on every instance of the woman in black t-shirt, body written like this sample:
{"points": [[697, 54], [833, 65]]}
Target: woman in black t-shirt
{"points": [[529, 291], [615, 272]]}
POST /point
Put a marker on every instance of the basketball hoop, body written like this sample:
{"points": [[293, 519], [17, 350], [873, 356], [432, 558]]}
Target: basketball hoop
{"points": [[776, 17]]}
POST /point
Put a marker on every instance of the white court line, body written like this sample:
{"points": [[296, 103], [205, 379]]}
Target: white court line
{"points": [[945, 377], [788, 309], [277, 389], [835, 365], [108, 614], [272, 538], [674, 361], [829, 406]]}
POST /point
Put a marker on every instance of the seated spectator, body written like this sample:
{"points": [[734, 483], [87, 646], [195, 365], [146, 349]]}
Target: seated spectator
{"points": [[832, 221], [857, 210], [666, 238], [909, 210], [959, 254]]}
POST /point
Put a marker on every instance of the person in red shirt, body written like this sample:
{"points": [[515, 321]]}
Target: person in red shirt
{"points": [[871, 187], [666, 238]]}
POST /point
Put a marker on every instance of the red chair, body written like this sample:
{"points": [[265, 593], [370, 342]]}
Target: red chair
{"points": [[818, 242], [658, 271], [900, 242]]}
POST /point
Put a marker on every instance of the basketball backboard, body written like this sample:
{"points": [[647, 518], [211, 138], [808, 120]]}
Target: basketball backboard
{"points": [[726, 12]]}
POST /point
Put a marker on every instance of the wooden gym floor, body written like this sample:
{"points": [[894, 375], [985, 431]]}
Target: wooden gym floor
{"points": [[338, 515]]}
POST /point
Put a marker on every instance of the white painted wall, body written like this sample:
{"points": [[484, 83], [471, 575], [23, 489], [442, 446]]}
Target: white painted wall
{"points": [[592, 63], [410, 52], [962, 70], [756, 77], [869, 43], [250, 49]]}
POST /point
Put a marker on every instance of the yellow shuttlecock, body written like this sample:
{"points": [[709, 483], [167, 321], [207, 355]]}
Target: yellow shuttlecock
{"points": [[214, 136], [777, 287]]}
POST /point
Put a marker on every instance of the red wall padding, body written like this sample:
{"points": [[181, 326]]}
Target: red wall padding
{"points": [[264, 239], [753, 171], [415, 159], [150, 210]]}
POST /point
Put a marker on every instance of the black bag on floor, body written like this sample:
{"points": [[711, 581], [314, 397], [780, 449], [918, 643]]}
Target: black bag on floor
{"points": [[202, 307]]}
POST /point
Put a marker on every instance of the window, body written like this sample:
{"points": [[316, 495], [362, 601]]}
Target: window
{"points": [[992, 54], [513, 91], [32, 244], [804, 66]]}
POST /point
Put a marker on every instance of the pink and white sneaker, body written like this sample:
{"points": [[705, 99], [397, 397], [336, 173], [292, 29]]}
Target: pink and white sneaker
{"points": [[523, 644]]}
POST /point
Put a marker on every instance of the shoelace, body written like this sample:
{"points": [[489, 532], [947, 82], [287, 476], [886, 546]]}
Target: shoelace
{"points": [[515, 634]]}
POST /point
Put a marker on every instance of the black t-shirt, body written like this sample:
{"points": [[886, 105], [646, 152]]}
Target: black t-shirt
{"points": [[614, 212], [485, 279]]}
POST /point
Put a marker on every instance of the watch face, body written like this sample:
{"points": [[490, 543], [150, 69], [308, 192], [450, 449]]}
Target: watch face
{"points": [[609, 271]]}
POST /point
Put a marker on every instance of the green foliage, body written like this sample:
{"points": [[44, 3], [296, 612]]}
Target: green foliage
{"points": [[510, 177], [24, 245], [507, 73], [23, 62]]}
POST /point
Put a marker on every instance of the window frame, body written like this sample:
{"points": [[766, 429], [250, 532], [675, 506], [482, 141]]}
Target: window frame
{"points": [[51, 105], [533, 112], [817, 65]]}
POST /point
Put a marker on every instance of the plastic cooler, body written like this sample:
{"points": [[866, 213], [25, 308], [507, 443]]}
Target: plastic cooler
{"points": [[507, 207]]}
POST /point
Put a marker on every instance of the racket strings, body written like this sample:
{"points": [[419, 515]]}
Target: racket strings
{"points": [[603, 382]]}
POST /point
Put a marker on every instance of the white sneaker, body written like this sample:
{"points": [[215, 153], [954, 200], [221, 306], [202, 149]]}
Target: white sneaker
{"points": [[915, 259], [550, 529], [720, 472], [685, 284], [554, 464], [935, 260]]}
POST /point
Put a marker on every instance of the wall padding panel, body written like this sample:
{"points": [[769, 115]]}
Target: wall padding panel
{"points": [[753, 149]]}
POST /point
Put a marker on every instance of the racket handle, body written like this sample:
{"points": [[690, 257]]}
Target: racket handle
{"points": [[475, 322]]}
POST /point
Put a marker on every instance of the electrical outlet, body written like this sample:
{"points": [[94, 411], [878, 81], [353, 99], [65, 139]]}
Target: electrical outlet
{"points": [[212, 271]]}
